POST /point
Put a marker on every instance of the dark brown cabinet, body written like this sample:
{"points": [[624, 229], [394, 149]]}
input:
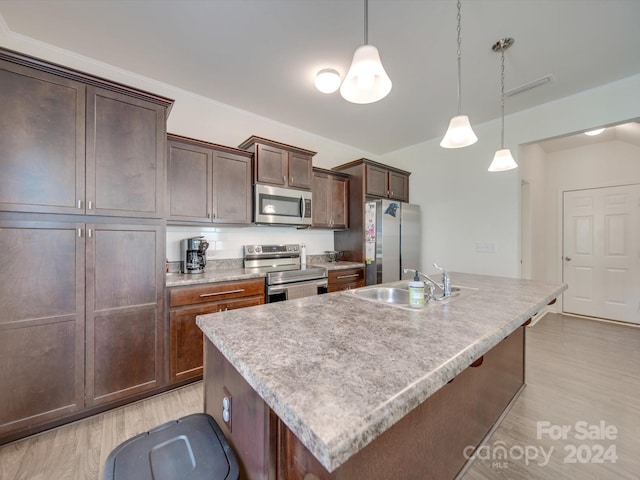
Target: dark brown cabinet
{"points": [[345, 279], [207, 183], [82, 175], [78, 145], [330, 199], [70, 286], [385, 183], [125, 155], [186, 303], [279, 164], [124, 305], [41, 324]]}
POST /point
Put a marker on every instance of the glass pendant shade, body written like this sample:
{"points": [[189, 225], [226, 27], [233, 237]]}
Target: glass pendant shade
{"points": [[366, 80], [502, 161], [327, 80], [459, 134]]}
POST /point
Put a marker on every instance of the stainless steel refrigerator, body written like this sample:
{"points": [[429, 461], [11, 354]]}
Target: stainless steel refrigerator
{"points": [[392, 240]]}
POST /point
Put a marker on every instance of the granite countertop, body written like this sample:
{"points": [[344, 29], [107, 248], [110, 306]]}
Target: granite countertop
{"points": [[211, 275], [339, 370], [342, 265]]}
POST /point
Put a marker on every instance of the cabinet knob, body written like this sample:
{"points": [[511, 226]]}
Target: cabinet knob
{"points": [[568, 259]]}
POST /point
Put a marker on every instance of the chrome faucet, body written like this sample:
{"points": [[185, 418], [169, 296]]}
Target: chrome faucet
{"points": [[445, 287], [446, 281]]}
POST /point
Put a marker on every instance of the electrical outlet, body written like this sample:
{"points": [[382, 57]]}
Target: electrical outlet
{"points": [[485, 247], [227, 402]]}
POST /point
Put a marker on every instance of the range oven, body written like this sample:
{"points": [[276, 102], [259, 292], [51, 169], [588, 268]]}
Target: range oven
{"points": [[283, 269], [281, 206]]}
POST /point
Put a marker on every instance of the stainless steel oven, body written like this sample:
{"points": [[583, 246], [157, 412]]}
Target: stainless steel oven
{"points": [[283, 269], [281, 206]]}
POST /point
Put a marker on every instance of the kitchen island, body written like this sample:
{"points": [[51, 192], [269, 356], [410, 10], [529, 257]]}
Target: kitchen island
{"points": [[339, 387]]}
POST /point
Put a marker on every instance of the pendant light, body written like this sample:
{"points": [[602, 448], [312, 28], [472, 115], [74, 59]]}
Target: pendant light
{"points": [[503, 160], [459, 134], [366, 80]]}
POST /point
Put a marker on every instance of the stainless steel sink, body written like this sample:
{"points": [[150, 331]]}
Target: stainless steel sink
{"points": [[397, 294], [384, 294]]}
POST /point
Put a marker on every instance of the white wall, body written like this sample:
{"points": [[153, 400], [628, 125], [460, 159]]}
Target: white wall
{"points": [[463, 204], [533, 170]]}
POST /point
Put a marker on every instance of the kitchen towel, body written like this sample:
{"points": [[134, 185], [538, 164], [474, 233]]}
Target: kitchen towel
{"points": [[299, 291]]}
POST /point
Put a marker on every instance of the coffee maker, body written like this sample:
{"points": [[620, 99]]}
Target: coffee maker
{"points": [[193, 254]]}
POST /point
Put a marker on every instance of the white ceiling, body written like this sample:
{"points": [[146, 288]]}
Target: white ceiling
{"points": [[262, 55]]}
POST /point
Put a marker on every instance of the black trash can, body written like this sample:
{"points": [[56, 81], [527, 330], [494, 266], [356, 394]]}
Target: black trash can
{"points": [[191, 448]]}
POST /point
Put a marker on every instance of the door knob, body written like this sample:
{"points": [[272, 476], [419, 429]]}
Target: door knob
{"points": [[568, 259]]}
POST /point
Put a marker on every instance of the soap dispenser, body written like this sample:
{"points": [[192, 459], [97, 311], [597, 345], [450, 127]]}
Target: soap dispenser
{"points": [[416, 292]]}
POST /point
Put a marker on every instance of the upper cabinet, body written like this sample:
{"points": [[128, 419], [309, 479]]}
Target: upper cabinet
{"points": [[378, 180], [75, 144], [382, 181], [207, 183], [279, 164], [330, 199]]}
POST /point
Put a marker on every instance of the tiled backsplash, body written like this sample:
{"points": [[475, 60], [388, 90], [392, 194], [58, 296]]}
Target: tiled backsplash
{"points": [[227, 243]]}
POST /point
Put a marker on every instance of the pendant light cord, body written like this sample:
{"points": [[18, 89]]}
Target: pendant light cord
{"points": [[459, 60], [366, 22], [502, 99]]}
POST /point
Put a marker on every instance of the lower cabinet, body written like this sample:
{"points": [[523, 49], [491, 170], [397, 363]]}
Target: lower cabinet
{"points": [[345, 279], [186, 303], [80, 323]]}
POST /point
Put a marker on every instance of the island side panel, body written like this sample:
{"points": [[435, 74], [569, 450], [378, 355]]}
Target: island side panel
{"points": [[430, 441], [252, 430]]}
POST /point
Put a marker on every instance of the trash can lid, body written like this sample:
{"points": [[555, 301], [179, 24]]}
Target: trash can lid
{"points": [[190, 448]]}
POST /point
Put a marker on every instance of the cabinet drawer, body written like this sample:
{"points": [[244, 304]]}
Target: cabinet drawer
{"points": [[211, 292], [348, 275]]}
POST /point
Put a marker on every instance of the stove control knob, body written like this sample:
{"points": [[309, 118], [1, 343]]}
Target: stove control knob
{"points": [[295, 248], [258, 248], [250, 249]]}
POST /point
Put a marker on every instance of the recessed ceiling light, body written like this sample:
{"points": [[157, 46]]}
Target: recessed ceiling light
{"points": [[327, 80], [592, 133]]}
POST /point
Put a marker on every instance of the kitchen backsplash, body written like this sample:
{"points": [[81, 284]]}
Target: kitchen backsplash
{"points": [[226, 243]]}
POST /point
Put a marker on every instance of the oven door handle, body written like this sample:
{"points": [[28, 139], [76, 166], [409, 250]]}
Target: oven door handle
{"points": [[302, 206], [283, 286]]}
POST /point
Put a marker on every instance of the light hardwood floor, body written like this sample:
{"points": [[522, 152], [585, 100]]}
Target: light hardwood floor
{"points": [[578, 370], [78, 451]]}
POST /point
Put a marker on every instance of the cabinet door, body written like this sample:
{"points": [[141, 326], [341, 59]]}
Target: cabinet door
{"points": [[41, 324], [300, 170], [398, 186], [376, 181], [42, 141], [186, 336], [271, 165], [339, 196], [126, 140], [123, 305], [232, 194], [320, 199], [189, 181]]}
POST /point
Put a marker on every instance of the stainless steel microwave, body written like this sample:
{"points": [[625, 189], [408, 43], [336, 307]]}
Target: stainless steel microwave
{"points": [[281, 206]]}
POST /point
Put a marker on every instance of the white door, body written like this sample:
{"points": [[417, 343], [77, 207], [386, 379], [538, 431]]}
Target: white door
{"points": [[601, 252]]}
